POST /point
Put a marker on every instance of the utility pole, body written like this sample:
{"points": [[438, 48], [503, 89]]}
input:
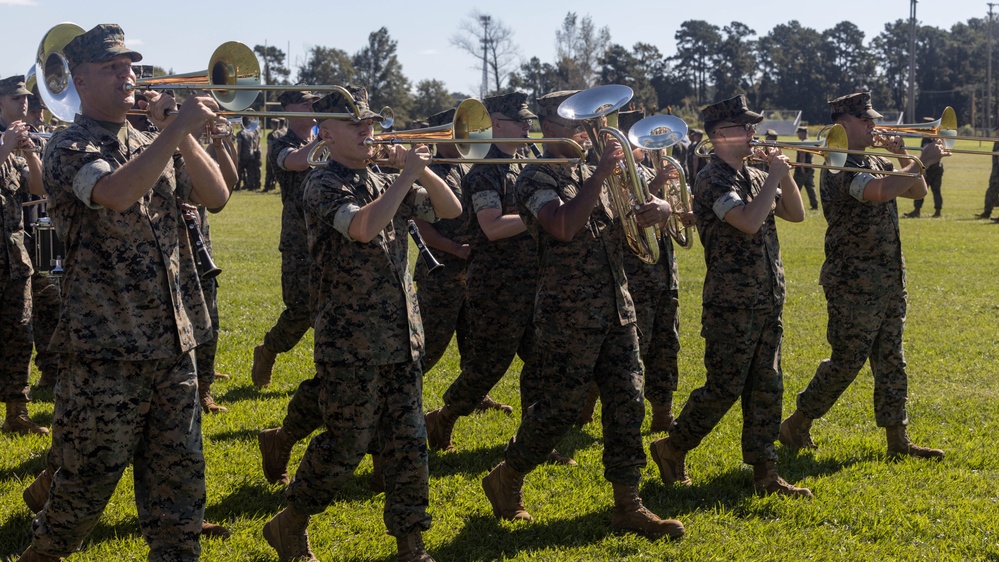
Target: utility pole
{"points": [[485, 20], [912, 62], [988, 79]]}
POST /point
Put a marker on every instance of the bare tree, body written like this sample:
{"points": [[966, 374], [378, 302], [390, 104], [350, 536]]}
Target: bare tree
{"points": [[491, 41], [579, 49]]}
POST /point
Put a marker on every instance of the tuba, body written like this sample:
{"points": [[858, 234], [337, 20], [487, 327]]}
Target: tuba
{"points": [[657, 135], [597, 109]]}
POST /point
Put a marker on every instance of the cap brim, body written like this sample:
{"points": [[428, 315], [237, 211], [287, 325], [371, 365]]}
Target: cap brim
{"points": [[21, 92], [872, 114], [746, 117], [525, 114], [368, 114]]}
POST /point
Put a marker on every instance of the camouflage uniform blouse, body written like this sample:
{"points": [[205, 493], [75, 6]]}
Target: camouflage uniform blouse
{"points": [[293, 238], [491, 186], [367, 312], [15, 262], [581, 282], [743, 270], [130, 288], [457, 228], [863, 248]]}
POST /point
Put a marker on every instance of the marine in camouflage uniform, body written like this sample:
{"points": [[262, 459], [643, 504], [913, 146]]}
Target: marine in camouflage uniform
{"points": [[369, 336], [19, 172], [248, 143], [133, 314], [586, 330], [296, 264], [864, 282], [501, 278], [735, 207], [804, 176], [270, 178], [992, 193]]}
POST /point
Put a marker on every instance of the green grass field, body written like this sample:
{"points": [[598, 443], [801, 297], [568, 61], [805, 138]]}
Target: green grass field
{"points": [[864, 507]]}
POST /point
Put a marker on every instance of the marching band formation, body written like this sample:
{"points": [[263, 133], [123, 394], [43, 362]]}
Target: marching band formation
{"points": [[563, 257]]}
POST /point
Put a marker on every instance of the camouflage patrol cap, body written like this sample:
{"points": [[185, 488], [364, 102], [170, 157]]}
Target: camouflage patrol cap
{"points": [[732, 109], [771, 133], [801, 129], [289, 97], [695, 131], [858, 105], [548, 108], [512, 105], [34, 100], [104, 42], [627, 119], [13, 86], [337, 102], [442, 118]]}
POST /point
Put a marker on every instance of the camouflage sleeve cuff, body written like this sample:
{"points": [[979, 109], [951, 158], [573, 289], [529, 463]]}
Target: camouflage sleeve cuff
{"points": [[486, 200], [423, 207], [343, 217], [87, 178], [282, 156], [726, 203], [539, 199], [858, 185]]}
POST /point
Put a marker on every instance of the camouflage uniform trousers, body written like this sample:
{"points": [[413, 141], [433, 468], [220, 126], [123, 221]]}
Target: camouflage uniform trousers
{"points": [[659, 341], [442, 307], [112, 413], [934, 180], [742, 350], [205, 353], [992, 193], [501, 324], [15, 333], [571, 361], [862, 327], [362, 404], [45, 303], [296, 319]]}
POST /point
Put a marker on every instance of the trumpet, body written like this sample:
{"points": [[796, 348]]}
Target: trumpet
{"points": [[597, 109], [657, 135]]}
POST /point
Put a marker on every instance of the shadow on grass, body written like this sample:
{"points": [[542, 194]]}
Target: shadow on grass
{"points": [[44, 394], [250, 392], [487, 538], [248, 434], [254, 500], [26, 470], [465, 461]]}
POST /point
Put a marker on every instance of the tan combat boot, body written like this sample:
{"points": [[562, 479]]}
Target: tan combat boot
{"points": [[589, 405], [671, 462], [631, 516], [275, 452], [504, 488], [662, 417], [411, 549], [795, 432], [558, 458], [899, 445], [31, 555], [488, 403], [288, 533], [208, 404], [17, 420], [263, 363], [37, 493], [213, 531], [766, 481], [440, 425]]}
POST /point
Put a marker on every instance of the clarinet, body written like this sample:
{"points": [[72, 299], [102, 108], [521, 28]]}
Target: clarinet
{"points": [[428, 257], [206, 267]]}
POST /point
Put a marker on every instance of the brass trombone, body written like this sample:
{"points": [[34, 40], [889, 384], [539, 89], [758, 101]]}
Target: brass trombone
{"points": [[657, 135], [232, 79], [834, 147], [597, 109], [944, 128], [471, 132]]}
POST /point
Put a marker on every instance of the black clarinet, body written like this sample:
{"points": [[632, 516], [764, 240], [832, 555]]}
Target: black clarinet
{"points": [[206, 267], [428, 257]]}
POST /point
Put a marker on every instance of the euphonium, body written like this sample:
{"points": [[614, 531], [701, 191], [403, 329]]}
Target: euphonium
{"points": [[657, 135], [597, 109]]}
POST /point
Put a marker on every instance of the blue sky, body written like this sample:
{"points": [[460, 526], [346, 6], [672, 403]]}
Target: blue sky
{"points": [[182, 35]]}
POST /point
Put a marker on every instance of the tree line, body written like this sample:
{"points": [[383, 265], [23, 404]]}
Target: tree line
{"points": [[792, 67]]}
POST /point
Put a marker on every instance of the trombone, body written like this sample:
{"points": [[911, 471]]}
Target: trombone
{"points": [[232, 79], [657, 135], [834, 147], [944, 128], [471, 131], [597, 109]]}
